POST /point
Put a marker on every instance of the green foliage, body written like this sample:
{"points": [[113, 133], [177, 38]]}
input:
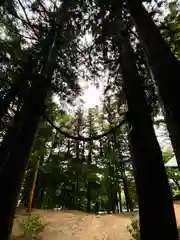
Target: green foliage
{"points": [[32, 227], [167, 155], [171, 29], [71, 172], [134, 229], [178, 231], [173, 173], [68, 168]]}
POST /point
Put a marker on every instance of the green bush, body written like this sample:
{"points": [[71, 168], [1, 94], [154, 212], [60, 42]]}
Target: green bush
{"points": [[32, 227], [179, 232], [134, 229]]}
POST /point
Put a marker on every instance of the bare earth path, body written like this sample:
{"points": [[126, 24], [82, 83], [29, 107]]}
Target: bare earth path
{"points": [[74, 225]]}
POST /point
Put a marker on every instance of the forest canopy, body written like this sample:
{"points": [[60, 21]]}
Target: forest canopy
{"points": [[55, 154]]}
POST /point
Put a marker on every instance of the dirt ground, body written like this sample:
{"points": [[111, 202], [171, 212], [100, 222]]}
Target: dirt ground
{"points": [[74, 225]]}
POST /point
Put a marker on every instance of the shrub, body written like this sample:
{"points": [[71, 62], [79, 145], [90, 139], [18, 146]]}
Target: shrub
{"points": [[134, 229], [179, 232], [31, 227]]}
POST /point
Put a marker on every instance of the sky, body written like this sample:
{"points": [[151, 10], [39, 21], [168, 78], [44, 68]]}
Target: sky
{"points": [[93, 96]]}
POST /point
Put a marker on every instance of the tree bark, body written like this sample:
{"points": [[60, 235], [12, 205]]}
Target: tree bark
{"points": [[33, 188], [36, 190], [126, 193], [16, 145], [120, 200], [26, 188], [88, 198], [113, 198], [157, 218], [164, 66], [14, 153], [39, 202]]}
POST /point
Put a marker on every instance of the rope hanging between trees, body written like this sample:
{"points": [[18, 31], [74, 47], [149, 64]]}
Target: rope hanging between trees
{"points": [[82, 138]]}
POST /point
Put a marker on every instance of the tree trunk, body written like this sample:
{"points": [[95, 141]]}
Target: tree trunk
{"points": [[157, 218], [16, 145], [73, 202], [39, 201], [78, 161], [14, 153], [165, 68], [33, 188], [129, 204], [113, 198], [26, 188], [126, 193], [36, 190], [77, 195], [120, 200], [88, 198]]}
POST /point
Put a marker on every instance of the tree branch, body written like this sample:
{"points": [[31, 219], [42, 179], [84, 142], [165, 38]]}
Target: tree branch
{"points": [[23, 8]]}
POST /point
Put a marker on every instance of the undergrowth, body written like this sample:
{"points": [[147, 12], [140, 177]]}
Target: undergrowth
{"points": [[134, 230], [31, 227]]}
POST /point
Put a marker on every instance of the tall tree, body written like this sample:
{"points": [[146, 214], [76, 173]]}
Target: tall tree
{"points": [[16, 147], [147, 157], [17, 142], [150, 174], [164, 66]]}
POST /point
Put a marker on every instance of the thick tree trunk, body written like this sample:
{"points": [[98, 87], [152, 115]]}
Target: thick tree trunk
{"points": [[17, 143], [14, 153], [157, 218], [165, 68]]}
